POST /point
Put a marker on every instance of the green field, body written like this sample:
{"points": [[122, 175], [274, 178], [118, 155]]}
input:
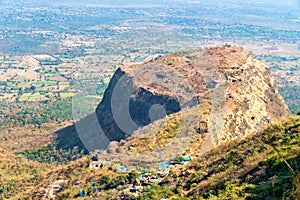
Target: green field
{"points": [[65, 95], [30, 96]]}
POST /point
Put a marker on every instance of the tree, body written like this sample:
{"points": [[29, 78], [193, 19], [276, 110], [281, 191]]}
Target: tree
{"points": [[32, 87], [20, 92], [132, 176], [104, 180]]}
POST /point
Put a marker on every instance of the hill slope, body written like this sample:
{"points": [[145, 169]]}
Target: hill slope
{"points": [[261, 166], [225, 88], [235, 94], [238, 86]]}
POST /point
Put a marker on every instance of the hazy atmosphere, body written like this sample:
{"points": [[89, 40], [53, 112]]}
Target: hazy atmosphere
{"points": [[149, 100]]}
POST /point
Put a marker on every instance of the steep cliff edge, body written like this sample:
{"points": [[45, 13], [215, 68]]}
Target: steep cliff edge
{"points": [[239, 89], [225, 88]]}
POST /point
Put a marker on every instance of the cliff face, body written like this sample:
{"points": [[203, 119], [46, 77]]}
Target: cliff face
{"points": [[252, 98], [125, 106], [238, 88]]}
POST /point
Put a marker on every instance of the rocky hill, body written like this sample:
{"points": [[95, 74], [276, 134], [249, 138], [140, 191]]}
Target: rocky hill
{"points": [[239, 89], [224, 91], [204, 104]]}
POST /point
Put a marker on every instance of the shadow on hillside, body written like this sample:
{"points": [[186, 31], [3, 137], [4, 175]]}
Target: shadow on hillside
{"points": [[68, 138], [86, 135]]}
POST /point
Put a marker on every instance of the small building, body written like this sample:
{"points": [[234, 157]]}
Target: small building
{"points": [[122, 169], [96, 165], [186, 159], [231, 79]]}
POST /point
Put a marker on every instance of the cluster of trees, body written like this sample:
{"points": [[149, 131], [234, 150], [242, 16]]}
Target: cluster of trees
{"points": [[15, 179], [104, 183], [51, 154], [291, 94], [107, 182], [56, 112]]}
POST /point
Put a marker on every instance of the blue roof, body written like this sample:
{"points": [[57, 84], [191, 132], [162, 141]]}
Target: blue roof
{"points": [[186, 159]]}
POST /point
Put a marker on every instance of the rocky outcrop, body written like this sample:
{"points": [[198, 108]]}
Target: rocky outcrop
{"points": [[228, 90], [129, 103], [239, 89]]}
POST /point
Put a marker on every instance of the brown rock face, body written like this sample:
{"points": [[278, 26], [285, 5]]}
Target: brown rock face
{"points": [[239, 90], [128, 104]]}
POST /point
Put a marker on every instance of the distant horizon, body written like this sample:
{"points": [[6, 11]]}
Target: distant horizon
{"points": [[153, 2]]}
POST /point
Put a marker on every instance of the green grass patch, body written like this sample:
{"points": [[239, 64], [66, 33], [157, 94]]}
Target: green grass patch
{"points": [[65, 95], [30, 96], [51, 83]]}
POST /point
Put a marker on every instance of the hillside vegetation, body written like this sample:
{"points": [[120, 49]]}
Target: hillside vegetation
{"points": [[18, 175], [264, 165], [232, 156]]}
